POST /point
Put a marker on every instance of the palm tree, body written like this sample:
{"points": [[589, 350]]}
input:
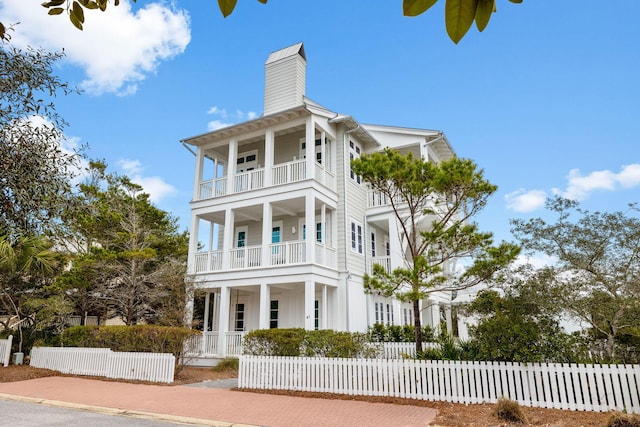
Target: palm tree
{"points": [[23, 262]]}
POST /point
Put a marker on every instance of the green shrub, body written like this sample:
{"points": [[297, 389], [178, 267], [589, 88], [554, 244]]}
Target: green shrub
{"points": [[510, 411], [143, 338], [396, 333], [299, 342], [274, 342]]}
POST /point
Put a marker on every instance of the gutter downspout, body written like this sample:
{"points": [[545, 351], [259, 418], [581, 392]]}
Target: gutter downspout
{"points": [[188, 148], [346, 224]]}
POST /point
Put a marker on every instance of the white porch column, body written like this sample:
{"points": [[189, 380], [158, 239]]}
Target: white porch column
{"points": [[223, 320], [231, 169], [265, 306], [310, 150], [310, 225], [395, 244], [198, 174], [325, 309], [269, 141], [205, 326], [227, 243], [193, 243], [267, 214], [309, 308]]}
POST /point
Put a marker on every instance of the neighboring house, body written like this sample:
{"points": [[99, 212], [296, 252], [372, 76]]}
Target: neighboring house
{"points": [[282, 231]]}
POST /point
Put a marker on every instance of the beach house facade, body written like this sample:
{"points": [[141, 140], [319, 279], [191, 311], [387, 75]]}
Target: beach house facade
{"points": [[282, 230]]}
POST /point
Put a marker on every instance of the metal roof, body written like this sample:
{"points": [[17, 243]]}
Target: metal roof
{"points": [[296, 49]]}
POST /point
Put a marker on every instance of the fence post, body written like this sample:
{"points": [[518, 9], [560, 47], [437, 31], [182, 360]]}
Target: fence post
{"points": [[7, 351]]}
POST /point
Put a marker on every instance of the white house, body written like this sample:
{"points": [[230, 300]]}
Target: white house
{"points": [[282, 231]]}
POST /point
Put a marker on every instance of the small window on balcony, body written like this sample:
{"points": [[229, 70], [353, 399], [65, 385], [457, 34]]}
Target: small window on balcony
{"points": [[356, 237], [354, 153], [273, 315], [240, 317]]}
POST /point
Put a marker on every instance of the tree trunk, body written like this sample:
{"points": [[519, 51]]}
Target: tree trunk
{"points": [[417, 325]]}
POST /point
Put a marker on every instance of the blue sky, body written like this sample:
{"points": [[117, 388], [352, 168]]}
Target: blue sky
{"points": [[546, 100]]}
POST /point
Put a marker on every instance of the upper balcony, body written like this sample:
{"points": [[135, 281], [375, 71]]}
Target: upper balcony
{"points": [[264, 159], [281, 174]]}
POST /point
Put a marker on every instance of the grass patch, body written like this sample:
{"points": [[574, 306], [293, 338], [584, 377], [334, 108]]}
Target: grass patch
{"points": [[228, 364], [509, 410]]}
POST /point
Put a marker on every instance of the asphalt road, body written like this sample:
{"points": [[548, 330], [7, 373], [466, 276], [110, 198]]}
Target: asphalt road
{"points": [[21, 414]]}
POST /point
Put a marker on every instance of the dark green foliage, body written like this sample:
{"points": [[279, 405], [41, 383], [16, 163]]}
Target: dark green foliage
{"points": [[35, 173], [596, 272], [144, 338], [623, 420], [449, 348], [510, 411], [434, 205], [299, 342], [396, 333]]}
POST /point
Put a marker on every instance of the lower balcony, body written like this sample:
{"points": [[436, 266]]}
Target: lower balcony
{"points": [[262, 256]]}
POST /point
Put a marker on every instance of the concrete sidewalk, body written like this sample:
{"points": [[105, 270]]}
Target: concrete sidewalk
{"points": [[211, 406]]}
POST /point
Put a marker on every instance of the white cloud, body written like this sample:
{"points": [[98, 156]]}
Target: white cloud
{"points": [[580, 186], [155, 186], [629, 176], [117, 49], [225, 119], [217, 124], [525, 201], [130, 166]]}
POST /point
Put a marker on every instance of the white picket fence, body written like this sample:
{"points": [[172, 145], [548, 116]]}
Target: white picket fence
{"points": [[155, 367], [551, 385], [5, 350]]}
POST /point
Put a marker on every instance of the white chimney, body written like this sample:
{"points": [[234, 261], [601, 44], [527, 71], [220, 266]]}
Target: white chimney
{"points": [[284, 82]]}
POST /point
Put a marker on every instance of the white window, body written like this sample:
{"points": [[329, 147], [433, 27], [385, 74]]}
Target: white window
{"points": [[241, 236], [240, 317], [273, 314], [356, 237], [354, 153], [317, 149], [373, 243]]}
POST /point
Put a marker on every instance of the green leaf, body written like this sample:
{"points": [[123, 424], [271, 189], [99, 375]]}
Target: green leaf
{"points": [[56, 11], [261, 1], [53, 3], [416, 7], [483, 13], [227, 6], [515, 1], [78, 11], [92, 5], [459, 15], [74, 21]]}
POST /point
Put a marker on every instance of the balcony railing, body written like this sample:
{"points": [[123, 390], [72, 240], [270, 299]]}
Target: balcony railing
{"points": [[207, 344], [283, 173], [278, 254], [213, 188], [248, 181], [384, 261], [250, 256]]}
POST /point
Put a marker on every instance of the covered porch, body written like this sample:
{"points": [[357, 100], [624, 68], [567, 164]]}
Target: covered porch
{"points": [[230, 312]]}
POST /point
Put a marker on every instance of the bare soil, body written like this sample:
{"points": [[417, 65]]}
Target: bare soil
{"points": [[449, 414]]}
